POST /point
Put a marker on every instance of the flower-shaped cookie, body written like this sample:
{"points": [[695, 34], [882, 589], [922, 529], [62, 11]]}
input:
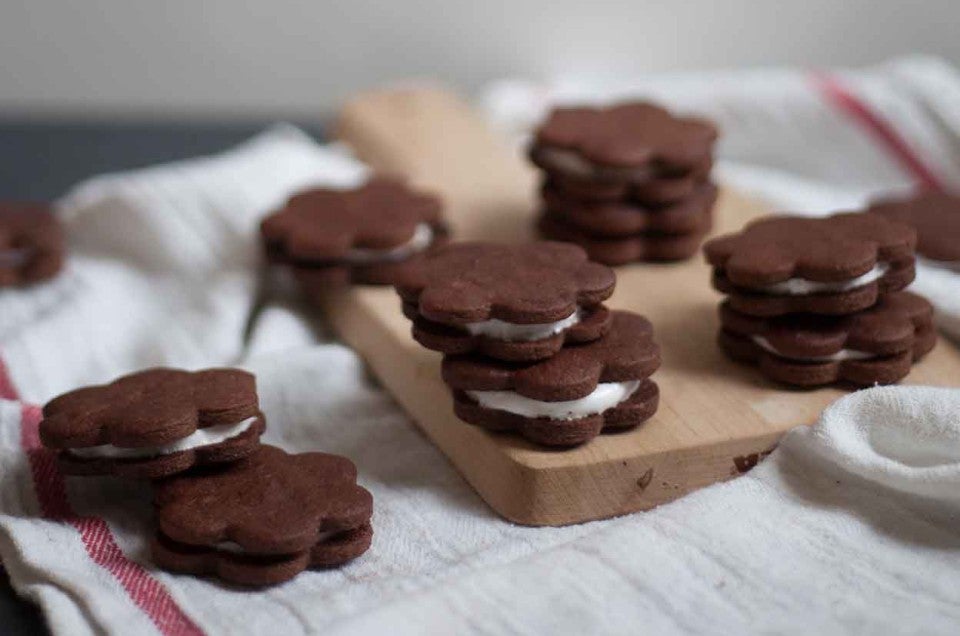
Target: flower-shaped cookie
{"points": [[834, 264], [31, 243], [935, 216], [155, 423], [264, 519], [569, 398], [517, 302], [631, 136], [874, 346], [376, 225]]}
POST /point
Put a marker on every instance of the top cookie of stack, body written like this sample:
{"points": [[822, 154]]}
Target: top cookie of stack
{"points": [[627, 183]]}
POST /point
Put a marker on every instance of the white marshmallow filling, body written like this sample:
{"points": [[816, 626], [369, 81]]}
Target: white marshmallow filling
{"points": [[201, 437], [235, 548], [421, 240], [606, 396], [839, 356], [515, 332], [803, 286]]}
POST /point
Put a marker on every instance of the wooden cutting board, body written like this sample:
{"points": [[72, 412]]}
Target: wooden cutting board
{"points": [[716, 418]]}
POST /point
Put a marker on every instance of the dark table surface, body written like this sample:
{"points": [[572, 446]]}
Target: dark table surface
{"points": [[41, 160]]}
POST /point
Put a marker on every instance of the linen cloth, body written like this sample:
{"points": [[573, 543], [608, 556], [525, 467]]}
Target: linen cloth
{"points": [[849, 527]]}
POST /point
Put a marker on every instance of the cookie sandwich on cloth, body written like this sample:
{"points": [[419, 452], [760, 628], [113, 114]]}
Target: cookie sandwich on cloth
{"points": [[628, 182], [330, 237], [815, 301]]}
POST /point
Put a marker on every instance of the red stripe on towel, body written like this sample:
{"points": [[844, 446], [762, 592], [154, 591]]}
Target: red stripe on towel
{"points": [[98, 540], [7, 390], [840, 96]]}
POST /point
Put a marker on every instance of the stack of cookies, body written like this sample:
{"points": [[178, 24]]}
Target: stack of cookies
{"points": [[816, 301], [529, 346], [225, 505], [627, 183], [331, 237]]}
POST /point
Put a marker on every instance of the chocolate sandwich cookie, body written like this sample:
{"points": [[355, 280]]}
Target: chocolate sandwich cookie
{"points": [[632, 142], [511, 302], [626, 219], [875, 346], [332, 236], [838, 264], [264, 519], [936, 217], [154, 423], [643, 246], [655, 191], [31, 243], [568, 399]]}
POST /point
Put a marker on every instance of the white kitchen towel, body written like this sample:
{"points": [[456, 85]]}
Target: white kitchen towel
{"points": [[850, 527], [809, 142]]}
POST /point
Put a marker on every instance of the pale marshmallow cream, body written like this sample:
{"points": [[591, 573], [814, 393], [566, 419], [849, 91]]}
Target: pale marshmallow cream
{"points": [[606, 396], [843, 354], [803, 286], [571, 163], [235, 548], [14, 257], [515, 332], [421, 240], [201, 437]]}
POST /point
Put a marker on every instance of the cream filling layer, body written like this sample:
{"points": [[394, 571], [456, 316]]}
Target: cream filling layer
{"points": [[839, 356], [515, 332], [421, 240], [606, 396], [235, 548], [572, 164], [200, 437], [803, 286]]}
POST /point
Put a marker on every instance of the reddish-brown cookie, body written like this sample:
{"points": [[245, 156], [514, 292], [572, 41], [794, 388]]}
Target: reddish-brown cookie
{"points": [[608, 378], [644, 246], [624, 219], [358, 235], [661, 190], [31, 243], [834, 265], [527, 296], [875, 346], [155, 423], [935, 216], [627, 142], [264, 519]]}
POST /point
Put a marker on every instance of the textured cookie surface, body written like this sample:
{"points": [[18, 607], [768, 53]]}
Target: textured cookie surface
{"points": [[935, 216], [31, 243], [828, 249], [626, 353], [279, 513], [625, 219], [149, 409], [528, 283], [593, 324], [644, 246], [629, 135], [323, 226], [657, 190]]}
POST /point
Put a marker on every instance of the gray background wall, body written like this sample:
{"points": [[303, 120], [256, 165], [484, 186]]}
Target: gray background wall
{"points": [[296, 58]]}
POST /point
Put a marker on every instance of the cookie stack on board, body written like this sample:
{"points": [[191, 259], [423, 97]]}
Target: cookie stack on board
{"points": [[627, 183], [528, 345], [225, 504], [816, 301]]}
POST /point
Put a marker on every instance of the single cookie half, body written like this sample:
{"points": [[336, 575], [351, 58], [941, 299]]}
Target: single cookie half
{"points": [[264, 519], [936, 217], [833, 265], [569, 398], [154, 423], [31, 243], [625, 219], [357, 235], [631, 142], [875, 346], [640, 247], [662, 190], [516, 302]]}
